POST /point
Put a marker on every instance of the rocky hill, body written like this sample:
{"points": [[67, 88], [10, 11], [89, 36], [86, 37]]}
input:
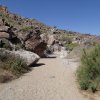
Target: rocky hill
{"points": [[20, 32]]}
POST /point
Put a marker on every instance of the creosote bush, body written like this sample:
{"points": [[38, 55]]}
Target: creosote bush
{"points": [[88, 73]]}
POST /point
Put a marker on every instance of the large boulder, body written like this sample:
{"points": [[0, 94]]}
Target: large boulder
{"points": [[4, 28], [4, 43], [31, 40], [4, 35], [51, 39], [36, 45], [28, 32], [29, 57], [7, 32], [44, 37]]}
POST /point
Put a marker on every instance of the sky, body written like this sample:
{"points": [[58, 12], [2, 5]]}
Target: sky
{"points": [[75, 15]]}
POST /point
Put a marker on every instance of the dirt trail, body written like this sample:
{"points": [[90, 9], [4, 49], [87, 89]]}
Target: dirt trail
{"points": [[53, 80]]}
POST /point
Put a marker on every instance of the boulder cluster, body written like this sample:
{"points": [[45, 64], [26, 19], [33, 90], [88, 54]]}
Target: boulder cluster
{"points": [[18, 33]]}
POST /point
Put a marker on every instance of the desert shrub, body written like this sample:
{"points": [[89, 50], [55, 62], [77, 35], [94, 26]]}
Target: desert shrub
{"points": [[25, 29], [12, 63], [88, 72], [17, 66], [70, 46]]}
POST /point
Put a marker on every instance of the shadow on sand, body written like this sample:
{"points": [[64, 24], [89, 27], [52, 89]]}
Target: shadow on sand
{"points": [[41, 64], [37, 65], [50, 56]]}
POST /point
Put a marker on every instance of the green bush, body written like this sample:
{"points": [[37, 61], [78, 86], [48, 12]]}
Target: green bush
{"points": [[12, 63], [17, 66], [71, 46], [88, 72], [25, 29]]}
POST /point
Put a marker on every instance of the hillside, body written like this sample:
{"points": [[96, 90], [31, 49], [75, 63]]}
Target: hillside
{"points": [[20, 23]]}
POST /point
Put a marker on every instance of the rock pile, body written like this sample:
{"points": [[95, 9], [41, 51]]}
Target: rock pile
{"points": [[16, 31]]}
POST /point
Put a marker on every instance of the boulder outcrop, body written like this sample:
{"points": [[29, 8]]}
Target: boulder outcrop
{"points": [[36, 46], [4, 35], [21, 31], [29, 57]]}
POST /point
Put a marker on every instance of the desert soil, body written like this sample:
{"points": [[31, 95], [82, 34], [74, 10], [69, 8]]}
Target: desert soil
{"points": [[51, 79]]}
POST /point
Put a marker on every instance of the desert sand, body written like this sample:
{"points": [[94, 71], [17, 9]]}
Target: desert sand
{"points": [[51, 79]]}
